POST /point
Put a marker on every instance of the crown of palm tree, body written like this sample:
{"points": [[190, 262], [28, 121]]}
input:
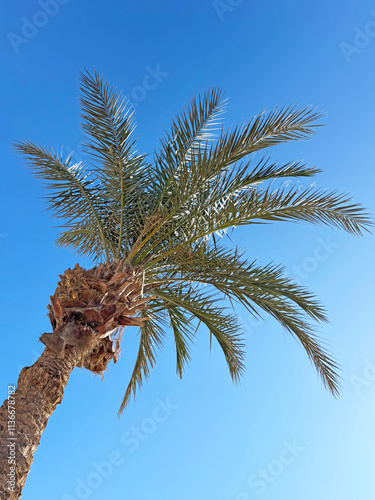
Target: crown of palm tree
{"points": [[164, 216]]}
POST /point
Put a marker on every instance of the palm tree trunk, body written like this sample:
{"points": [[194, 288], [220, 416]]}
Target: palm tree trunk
{"points": [[39, 390], [85, 309]]}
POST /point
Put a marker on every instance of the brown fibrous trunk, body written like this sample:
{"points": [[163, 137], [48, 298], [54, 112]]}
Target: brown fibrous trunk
{"points": [[24, 416], [86, 310]]}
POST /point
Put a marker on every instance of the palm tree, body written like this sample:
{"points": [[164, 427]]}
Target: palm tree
{"points": [[151, 226]]}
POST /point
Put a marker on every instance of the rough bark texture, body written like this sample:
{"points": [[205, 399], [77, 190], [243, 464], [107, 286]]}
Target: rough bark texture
{"points": [[39, 390], [87, 310]]}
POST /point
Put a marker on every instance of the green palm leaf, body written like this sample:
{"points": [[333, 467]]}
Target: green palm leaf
{"points": [[183, 333], [151, 339], [221, 325], [265, 130], [109, 126], [75, 195]]}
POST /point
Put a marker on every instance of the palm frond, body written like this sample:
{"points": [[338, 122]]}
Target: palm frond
{"points": [[313, 205], [265, 130], [75, 195], [151, 339], [192, 130], [183, 333], [235, 277], [109, 126], [224, 327], [84, 238], [292, 321], [107, 121], [246, 176], [258, 288], [215, 194]]}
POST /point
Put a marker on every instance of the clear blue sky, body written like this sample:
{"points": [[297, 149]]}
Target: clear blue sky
{"points": [[280, 435]]}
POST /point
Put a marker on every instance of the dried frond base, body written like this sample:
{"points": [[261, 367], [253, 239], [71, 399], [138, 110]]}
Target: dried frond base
{"points": [[90, 306]]}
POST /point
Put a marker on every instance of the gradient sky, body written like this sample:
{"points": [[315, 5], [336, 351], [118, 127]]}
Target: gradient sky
{"points": [[279, 435]]}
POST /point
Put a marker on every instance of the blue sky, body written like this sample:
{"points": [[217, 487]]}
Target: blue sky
{"points": [[280, 434]]}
